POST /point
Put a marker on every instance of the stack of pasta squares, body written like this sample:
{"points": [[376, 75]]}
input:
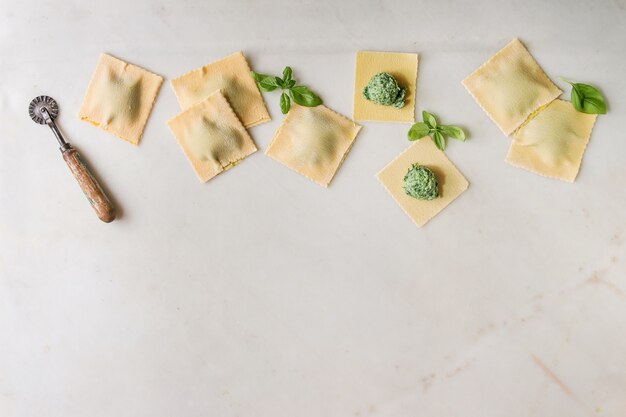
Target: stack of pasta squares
{"points": [[549, 134], [219, 102]]}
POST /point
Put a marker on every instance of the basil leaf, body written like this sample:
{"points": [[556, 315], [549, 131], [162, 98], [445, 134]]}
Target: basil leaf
{"points": [[287, 74], [266, 82], [439, 139], [290, 91], [575, 98], [285, 103], [454, 132], [304, 97], [258, 76], [429, 119], [437, 132], [587, 99], [418, 131]]}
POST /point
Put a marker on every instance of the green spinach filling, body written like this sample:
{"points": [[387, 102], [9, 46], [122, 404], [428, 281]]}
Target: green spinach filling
{"points": [[384, 89], [421, 183]]}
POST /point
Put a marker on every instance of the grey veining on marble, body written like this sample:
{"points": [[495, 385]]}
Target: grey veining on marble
{"points": [[262, 294]]}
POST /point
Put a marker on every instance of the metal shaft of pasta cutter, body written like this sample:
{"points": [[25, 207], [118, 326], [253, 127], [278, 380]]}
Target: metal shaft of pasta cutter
{"points": [[57, 133]]}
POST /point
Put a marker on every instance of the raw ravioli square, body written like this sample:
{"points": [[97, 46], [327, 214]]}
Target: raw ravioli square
{"points": [[211, 136], [511, 86], [119, 98], [424, 152], [553, 142], [313, 141], [403, 66], [232, 75]]}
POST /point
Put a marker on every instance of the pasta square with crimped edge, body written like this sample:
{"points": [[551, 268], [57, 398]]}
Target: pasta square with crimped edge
{"points": [[424, 152], [403, 67], [510, 86], [211, 136], [119, 98], [313, 141], [232, 75], [553, 142]]}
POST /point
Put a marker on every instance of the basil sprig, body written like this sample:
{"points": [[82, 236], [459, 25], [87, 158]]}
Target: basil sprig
{"points": [[436, 131], [290, 91], [586, 98]]}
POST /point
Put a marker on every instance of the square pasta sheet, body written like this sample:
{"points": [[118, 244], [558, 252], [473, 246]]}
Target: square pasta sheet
{"points": [[211, 136], [232, 75], [403, 67], [119, 98], [424, 152], [313, 141], [511, 86], [553, 142]]}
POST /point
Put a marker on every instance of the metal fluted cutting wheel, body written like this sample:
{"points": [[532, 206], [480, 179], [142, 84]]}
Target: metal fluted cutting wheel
{"points": [[35, 109]]}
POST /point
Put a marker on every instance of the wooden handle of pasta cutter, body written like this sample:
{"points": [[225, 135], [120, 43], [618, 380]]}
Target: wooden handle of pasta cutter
{"points": [[88, 183]]}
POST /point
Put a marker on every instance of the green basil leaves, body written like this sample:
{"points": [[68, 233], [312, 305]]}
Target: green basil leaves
{"points": [[418, 131], [285, 103], [304, 97], [586, 98], [267, 82], [436, 131], [290, 91]]}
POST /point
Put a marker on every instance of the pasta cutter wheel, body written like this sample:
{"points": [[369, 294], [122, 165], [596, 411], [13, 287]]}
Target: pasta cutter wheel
{"points": [[35, 109], [43, 110]]}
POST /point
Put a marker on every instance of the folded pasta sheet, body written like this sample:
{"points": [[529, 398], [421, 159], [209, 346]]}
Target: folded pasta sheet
{"points": [[119, 98], [553, 142], [511, 86], [211, 136], [232, 76], [313, 141]]}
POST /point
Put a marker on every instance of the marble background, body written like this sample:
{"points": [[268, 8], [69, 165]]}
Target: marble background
{"points": [[262, 294]]}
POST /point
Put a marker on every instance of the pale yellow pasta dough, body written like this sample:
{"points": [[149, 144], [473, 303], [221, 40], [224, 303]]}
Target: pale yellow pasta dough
{"points": [[119, 98], [231, 75], [403, 67], [424, 152], [511, 86], [313, 141], [211, 136], [553, 142]]}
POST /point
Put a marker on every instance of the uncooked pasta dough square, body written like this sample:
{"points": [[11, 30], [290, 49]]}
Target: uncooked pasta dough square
{"points": [[313, 141], [403, 67], [211, 136], [233, 77], [119, 98], [553, 142], [510, 86], [450, 180]]}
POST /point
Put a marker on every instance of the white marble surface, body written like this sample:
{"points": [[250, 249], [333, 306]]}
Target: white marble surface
{"points": [[262, 294]]}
